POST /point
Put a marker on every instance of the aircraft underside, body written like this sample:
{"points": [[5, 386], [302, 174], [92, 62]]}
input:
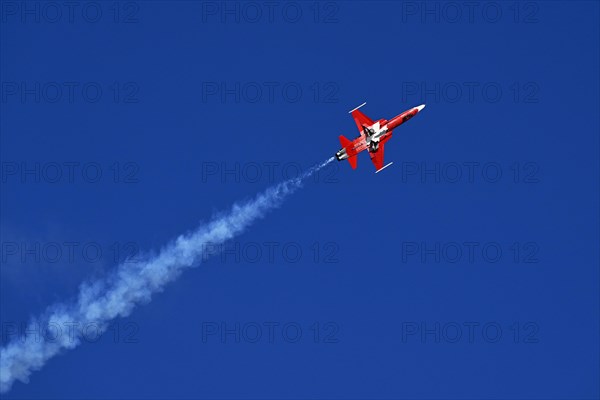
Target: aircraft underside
{"points": [[373, 136]]}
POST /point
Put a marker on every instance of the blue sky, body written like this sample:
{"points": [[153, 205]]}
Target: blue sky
{"points": [[468, 269]]}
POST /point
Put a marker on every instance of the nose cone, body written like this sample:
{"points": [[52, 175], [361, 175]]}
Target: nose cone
{"points": [[422, 106]]}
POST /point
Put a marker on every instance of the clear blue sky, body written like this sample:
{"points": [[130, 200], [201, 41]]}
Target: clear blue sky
{"points": [[189, 90]]}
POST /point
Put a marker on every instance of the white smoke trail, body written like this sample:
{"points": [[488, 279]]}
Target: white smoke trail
{"points": [[132, 284]]}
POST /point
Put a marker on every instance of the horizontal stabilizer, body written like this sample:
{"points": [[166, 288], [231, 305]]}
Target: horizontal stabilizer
{"points": [[353, 160]]}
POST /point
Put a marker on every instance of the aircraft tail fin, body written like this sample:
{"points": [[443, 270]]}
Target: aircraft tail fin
{"points": [[344, 141]]}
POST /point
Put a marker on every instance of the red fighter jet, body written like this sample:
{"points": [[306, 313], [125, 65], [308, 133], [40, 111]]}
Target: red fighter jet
{"points": [[373, 136]]}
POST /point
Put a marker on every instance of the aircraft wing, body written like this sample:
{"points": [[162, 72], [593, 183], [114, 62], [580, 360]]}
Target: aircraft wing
{"points": [[377, 157], [361, 119]]}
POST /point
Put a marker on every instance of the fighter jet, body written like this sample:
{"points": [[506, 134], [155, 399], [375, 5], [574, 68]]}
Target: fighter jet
{"points": [[373, 136]]}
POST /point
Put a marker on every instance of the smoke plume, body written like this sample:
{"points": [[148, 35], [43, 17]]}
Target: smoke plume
{"points": [[130, 284]]}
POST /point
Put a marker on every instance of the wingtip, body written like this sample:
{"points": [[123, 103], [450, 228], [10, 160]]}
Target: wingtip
{"points": [[354, 109], [422, 106], [382, 168]]}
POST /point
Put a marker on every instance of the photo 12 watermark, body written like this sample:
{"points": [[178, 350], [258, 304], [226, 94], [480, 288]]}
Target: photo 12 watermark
{"points": [[270, 332], [264, 172], [469, 252], [271, 252], [69, 92], [270, 12], [68, 252], [470, 172], [469, 332], [70, 332], [470, 92], [269, 92], [70, 12], [69, 172], [470, 12]]}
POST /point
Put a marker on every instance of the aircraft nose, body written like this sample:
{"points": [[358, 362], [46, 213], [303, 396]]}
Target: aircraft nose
{"points": [[422, 106]]}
